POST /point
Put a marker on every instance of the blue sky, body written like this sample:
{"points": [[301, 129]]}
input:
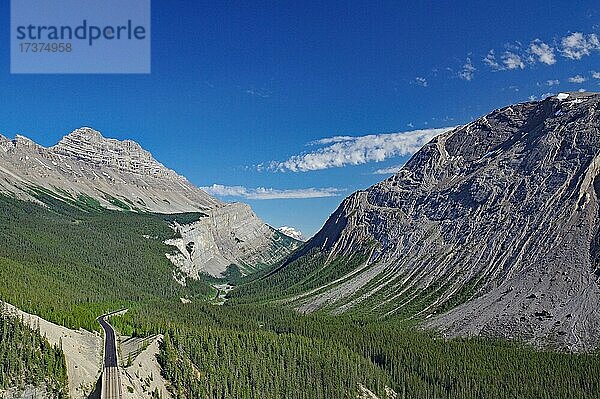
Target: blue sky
{"points": [[241, 93]]}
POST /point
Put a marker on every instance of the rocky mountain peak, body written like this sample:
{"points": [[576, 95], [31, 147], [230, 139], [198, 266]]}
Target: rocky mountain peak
{"points": [[490, 229], [88, 145], [95, 138], [86, 133], [85, 169], [21, 141], [85, 162]]}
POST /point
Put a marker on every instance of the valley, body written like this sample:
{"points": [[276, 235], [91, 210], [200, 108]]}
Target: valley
{"points": [[469, 273]]}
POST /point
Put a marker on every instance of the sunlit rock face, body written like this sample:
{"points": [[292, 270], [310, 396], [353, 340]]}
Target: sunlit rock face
{"points": [[229, 235], [84, 162], [490, 229], [85, 166]]}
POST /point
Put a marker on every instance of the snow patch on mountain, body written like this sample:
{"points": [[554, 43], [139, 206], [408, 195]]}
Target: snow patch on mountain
{"points": [[292, 232]]}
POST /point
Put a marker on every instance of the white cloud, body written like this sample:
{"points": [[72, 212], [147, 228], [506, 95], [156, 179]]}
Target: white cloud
{"points": [[388, 171], [577, 79], [467, 71], [332, 140], [292, 232], [577, 45], [490, 60], [262, 193], [544, 53], [553, 82], [595, 75], [512, 60], [421, 81], [346, 150], [573, 46]]}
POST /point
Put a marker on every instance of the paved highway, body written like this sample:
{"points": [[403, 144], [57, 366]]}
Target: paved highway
{"points": [[111, 378]]}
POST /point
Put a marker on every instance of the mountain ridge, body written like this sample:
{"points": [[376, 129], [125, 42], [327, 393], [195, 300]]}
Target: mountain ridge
{"points": [[85, 167], [489, 229]]}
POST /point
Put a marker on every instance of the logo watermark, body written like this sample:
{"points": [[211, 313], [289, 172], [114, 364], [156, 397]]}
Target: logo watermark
{"points": [[80, 36]]}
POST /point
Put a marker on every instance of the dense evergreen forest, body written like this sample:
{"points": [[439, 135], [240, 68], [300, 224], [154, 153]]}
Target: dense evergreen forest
{"points": [[301, 275], [266, 351], [74, 261], [26, 358]]}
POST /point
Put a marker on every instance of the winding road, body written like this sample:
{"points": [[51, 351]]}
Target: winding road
{"points": [[111, 378]]}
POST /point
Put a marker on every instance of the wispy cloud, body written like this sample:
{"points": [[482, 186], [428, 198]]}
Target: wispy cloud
{"points": [[519, 55], [348, 150], [262, 193], [262, 93], [553, 82], [512, 60], [490, 61], [595, 75], [572, 46], [543, 52], [467, 72], [421, 81], [388, 171], [577, 79], [577, 45], [331, 140]]}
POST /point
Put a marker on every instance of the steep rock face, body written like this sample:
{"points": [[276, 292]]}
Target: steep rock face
{"points": [[88, 145], [85, 166], [227, 235], [490, 229]]}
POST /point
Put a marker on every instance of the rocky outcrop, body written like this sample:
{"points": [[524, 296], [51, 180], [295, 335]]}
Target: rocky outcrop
{"points": [[117, 173], [86, 167], [141, 376], [225, 236], [490, 229]]}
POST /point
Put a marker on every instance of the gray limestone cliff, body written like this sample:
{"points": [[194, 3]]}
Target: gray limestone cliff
{"points": [[490, 229], [121, 175]]}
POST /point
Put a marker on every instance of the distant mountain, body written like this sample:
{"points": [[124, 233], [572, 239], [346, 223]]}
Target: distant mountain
{"points": [[116, 173], [490, 229], [292, 232], [86, 168]]}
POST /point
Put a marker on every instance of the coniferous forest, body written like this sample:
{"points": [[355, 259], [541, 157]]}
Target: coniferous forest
{"points": [[27, 359], [59, 262]]}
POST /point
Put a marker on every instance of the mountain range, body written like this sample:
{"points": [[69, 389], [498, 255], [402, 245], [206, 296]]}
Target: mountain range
{"points": [[86, 168], [490, 230]]}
